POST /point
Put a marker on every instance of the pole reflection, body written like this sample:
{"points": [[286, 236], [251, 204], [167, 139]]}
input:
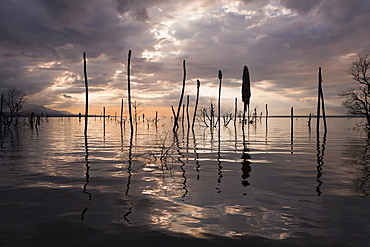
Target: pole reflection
{"points": [[196, 156], [219, 169], [246, 164], [320, 161], [177, 144], [87, 174], [129, 172]]}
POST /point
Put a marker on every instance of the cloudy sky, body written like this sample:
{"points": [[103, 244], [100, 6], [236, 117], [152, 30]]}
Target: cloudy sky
{"points": [[283, 42]]}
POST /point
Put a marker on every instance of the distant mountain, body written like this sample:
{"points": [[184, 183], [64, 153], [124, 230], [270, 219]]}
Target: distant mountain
{"points": [[38, 109]]}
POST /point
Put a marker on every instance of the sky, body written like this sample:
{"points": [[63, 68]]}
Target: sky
{"points": [[283, 43]]}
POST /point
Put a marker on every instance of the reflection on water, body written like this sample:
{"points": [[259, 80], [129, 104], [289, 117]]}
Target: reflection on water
{"points": [[320, 160], [189, 182]]}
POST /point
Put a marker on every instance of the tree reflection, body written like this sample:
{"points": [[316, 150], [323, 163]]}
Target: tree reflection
{"points": [[360, 158]]}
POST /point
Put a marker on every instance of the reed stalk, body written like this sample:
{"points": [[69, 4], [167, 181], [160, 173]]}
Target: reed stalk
{"points": [[87, 95], [196, 105], [129, 90]]}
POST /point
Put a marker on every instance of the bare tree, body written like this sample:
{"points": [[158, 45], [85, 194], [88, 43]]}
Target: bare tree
{"points": [[14, 100], [357, 99]]}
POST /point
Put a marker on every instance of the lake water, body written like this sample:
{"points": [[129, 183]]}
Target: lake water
{"points": [[260, 187]]}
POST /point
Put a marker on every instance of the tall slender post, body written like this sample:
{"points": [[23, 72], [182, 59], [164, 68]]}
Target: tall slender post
{"points": [[87, 95], [1, 110], [187, 110], [121, 119], [156, 119], [320, 104], [267, 113], [175, 126], [129, 90], [196, 105], [219, 101], [291, 121], [322, 99], [291, 129], [173, 112], [235, 110], [246, 91], [104, 120]]}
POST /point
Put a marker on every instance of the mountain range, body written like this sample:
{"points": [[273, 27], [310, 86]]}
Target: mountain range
{"points": [[37, 109]]}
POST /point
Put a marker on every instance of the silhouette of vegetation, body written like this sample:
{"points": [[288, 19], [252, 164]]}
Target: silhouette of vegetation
{"points": [[14, 101], [357, 99]]}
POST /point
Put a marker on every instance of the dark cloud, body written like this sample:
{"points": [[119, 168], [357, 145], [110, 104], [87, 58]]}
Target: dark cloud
{"points": [[302, 7]]}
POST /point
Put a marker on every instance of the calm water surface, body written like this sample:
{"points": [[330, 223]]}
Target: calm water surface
{"points": [[263, 187]]}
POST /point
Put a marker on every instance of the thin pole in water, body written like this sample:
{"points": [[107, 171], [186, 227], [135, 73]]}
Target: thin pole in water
{"points": [[196, 105], [129, 90], [87, 95], [175, 126]]}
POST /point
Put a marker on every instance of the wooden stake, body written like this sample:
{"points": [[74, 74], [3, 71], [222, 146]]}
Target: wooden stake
{"points": [[129, 90], [219, 99], [175, 126], [196, 105], [87, 95]]}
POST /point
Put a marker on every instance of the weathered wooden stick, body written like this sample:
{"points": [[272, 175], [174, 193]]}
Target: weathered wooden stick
{"points": [[104, 120], [173, 112], [246, 91], [291, 121], [322, 99], [87, 95], [236, 110], [219, 99], [187, 111], [121, 119], [1, 110], [175, 126], [320, 104], [129, 90], [196, 105], [267, 113]]}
